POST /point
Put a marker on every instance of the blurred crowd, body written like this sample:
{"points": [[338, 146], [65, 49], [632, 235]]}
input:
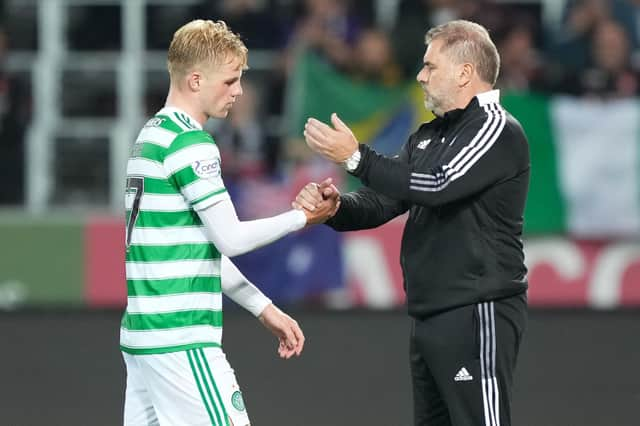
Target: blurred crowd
{"points": [[590, 50]]}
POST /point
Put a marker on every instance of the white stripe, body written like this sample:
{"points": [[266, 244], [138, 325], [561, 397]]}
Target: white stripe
{"points": [[169, 235], [175, 269], [487, 130], [490, 391], [201, 187], [156, 136], [191, 154], [422, 181], [144, 167], [173, 303], [483, 373], [471, 156], [423, 176], [494, 380], [487, 361], [135, 339], [158, 202]]}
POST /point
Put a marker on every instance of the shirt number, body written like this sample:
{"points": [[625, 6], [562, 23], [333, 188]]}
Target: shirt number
{"points": [[135, 185]]}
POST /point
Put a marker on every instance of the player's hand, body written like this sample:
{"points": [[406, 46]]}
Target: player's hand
{"points": [[286, 329], [318, 201], [335, 143]]}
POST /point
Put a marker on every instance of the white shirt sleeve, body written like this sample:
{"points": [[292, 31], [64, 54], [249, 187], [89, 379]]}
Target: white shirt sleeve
{"points": [[233, 237], [239, 289]]}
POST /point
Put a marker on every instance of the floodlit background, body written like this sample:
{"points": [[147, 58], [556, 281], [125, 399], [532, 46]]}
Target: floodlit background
{"points": [[79, 77]]}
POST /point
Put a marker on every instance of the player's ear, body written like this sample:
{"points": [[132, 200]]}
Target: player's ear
{"points": [[194, 80]]}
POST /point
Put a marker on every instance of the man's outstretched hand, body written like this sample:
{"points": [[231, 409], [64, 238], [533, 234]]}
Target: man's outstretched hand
{"points": [[335, 143]]}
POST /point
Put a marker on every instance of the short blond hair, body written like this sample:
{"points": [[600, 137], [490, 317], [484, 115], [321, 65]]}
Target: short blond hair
{"points": [[466, 41], [203, 43]]}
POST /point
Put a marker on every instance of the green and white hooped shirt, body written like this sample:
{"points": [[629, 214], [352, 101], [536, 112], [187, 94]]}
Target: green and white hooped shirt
{"points": [[173, 271]]}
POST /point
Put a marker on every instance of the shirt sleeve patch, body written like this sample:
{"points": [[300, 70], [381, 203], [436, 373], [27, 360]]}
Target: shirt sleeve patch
{"points": [[207, 169]]}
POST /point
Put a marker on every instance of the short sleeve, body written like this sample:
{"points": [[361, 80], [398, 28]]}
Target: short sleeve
{"points": [[193, 165]]}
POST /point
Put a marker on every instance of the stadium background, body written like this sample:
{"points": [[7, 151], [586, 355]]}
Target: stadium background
{"points": [[78, 77]]}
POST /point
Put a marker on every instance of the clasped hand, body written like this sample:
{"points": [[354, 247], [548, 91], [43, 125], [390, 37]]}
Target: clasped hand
{"points": [[319, 202]]}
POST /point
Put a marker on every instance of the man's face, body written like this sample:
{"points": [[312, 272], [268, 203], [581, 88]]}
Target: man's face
{"points": [[220, 87], [438, 79]]}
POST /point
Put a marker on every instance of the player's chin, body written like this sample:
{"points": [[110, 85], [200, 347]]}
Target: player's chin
{"points": [[223, 113]]}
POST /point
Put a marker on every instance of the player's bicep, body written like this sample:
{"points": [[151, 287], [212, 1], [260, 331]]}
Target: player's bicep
{"points": [[196, 171]]}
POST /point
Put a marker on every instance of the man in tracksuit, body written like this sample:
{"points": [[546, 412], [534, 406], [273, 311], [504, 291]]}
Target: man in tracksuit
{"points": [[464, 178]]}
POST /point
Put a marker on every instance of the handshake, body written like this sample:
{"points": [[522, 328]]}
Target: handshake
{"points": [[319, 202]]}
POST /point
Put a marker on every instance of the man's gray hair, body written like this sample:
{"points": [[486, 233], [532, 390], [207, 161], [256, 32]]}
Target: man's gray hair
{"points": [[466, 41]]}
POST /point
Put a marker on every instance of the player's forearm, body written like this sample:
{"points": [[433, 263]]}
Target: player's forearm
{"points": [[233, 237], [239, 289]]}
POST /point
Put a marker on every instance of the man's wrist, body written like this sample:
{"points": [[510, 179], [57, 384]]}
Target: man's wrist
{"points": [[351, 163]]}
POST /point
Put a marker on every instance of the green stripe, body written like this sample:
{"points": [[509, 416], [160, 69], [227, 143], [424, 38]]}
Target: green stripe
{"points": [[152, 152], [189, 138], [172, 320], [168, 124], [173, 286], [215, 387], [185, 176], [173, 252], [209, 195], [204, 380], [204, 399], [159, 186], [156, 219], [167, 349]]}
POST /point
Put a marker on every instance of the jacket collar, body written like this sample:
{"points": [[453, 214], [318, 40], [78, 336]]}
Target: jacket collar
{"points": [[481, 99]]}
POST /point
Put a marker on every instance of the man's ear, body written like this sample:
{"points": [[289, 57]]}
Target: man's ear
{"points": [[194, 79], [465, 74]]}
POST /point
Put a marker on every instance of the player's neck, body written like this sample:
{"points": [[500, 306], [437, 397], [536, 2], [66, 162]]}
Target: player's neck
{"points": [[176, 99]]}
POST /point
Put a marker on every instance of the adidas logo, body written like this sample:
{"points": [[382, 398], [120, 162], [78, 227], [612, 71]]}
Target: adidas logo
{"points": [[463, 375], [423, 144]]}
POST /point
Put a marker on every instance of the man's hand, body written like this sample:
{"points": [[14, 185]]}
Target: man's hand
{"points": [[319, 202], [336, 144], [285, 328]]}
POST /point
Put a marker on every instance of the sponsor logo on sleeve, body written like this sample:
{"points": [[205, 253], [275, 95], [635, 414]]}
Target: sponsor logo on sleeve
{"points": [[207, 169]]}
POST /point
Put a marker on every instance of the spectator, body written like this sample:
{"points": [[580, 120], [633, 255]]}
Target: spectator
{"points": [[609, 73], [521, 65], [570, 44], [328, 27], [374, 59]]}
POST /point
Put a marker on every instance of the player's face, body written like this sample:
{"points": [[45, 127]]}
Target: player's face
{"points": [[437, 78], [221, 87]]}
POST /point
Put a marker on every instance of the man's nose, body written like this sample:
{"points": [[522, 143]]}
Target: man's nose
{"points": [[421, 76]]}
